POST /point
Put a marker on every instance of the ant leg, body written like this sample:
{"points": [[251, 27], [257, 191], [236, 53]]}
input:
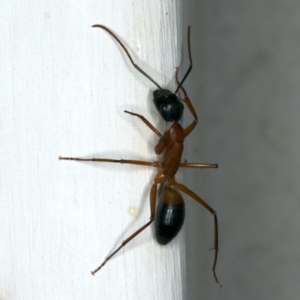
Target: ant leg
{"points": [[198, 165], [158, 178], [146, 122], [189, 104], [187, 191], [156, 164]]}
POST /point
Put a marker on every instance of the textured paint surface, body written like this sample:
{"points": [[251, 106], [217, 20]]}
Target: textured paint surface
{"points": [[64, 87]]}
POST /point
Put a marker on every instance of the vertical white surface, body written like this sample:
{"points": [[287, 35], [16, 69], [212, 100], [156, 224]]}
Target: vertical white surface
{"points": [[64, 87]]}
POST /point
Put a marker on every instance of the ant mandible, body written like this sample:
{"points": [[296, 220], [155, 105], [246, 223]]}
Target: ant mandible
{"points": [[170, 211]]}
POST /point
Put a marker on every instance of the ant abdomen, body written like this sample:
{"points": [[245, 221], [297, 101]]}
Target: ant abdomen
{"points": [[169, 216]]}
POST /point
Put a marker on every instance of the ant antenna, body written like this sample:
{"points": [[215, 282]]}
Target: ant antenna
{"points": [[191, 63], [129, 56]]}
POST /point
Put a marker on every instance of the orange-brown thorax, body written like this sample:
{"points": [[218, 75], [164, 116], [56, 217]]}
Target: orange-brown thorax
{"points": [[172, 147]]}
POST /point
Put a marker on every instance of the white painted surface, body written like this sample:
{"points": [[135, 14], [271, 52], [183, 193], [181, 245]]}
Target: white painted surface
{"points": [[64, 87]]}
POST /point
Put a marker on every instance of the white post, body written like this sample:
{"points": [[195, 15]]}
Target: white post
{"points": [[64, 88]]}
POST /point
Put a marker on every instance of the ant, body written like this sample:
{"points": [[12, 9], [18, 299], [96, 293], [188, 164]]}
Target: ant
{"points": [[170, 211]]}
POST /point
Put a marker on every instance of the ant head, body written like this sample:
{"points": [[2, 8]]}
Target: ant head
{"points": [[168, 105]]}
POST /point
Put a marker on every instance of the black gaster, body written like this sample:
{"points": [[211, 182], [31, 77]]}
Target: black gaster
{"points": [[169, 216]]}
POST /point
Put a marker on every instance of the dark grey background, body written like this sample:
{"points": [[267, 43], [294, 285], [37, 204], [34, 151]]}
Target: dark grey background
{"points": [[245, 86]]}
